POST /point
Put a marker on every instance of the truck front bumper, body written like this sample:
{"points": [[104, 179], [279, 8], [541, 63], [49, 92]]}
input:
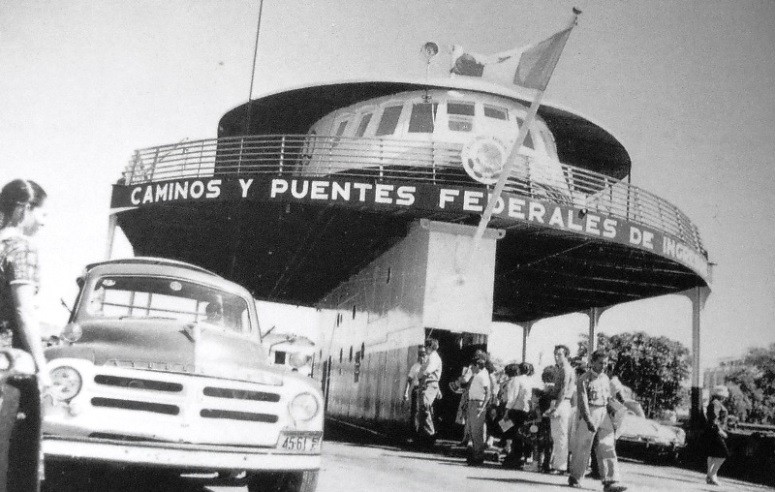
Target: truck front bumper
{"points": [[175, 455]]}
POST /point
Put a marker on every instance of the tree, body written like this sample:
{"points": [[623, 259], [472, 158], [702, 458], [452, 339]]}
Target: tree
{"points": [[755, 379], [653, 367], [738, 403]]}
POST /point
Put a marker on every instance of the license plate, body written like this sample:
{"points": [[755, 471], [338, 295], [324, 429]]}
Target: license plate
{"points": [[301, 442]]}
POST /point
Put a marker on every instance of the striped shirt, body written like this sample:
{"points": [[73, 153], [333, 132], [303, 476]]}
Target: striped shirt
{"points": [[18, 266]]}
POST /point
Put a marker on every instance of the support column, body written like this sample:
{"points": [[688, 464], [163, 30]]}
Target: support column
{"points": [[526, 327], [112, 222], [698, 296], [594, 319]]}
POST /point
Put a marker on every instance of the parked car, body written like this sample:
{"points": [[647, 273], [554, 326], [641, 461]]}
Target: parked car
{"points": [[643, 438], [161, 368]]}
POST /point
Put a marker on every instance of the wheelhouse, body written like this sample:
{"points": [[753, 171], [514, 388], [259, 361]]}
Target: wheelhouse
{"points": [[452, 116], [364, 135]]}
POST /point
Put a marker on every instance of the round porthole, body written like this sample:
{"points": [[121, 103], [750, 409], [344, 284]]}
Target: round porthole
{"points": [[483, 159]]}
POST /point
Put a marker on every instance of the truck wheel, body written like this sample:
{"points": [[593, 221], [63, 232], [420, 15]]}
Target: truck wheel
{"points": [[303, 481]]}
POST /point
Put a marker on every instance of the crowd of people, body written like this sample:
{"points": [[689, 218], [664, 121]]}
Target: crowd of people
{"points": [[559, 425], [563, 426]]}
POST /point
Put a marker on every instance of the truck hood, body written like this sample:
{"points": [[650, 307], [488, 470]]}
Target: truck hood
{"points": [[170, 346]]}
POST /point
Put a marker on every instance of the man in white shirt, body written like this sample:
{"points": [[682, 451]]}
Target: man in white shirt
{"points": [[594, 393], [430, 373], [413, 385], [479, 393]]}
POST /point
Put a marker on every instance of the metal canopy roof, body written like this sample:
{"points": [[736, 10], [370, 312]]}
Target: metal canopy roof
{"points": [[296, 253], [580, 141]]}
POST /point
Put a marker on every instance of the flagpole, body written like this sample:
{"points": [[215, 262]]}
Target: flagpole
{"points": [[253, 68], [510, 162]]}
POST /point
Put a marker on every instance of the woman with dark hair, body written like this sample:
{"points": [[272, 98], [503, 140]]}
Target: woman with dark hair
{"points": [[715, 433], [22, 214]]}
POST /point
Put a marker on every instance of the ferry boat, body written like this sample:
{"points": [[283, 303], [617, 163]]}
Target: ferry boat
{"points": [[360, 198]]}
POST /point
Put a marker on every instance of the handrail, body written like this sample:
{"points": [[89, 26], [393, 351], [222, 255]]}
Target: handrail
{"points": [[438, 163]]}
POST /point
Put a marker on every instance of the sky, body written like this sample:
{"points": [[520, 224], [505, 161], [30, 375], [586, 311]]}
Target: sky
{"points": [[687, 86]]}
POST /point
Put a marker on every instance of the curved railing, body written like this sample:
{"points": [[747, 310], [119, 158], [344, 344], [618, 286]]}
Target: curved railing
{"points": [[421, 161]]}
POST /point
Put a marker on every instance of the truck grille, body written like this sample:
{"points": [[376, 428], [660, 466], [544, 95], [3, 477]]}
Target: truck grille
{"points": [[209, 413], [135, 383], [240, 394], [136, 405], [180, 407]]}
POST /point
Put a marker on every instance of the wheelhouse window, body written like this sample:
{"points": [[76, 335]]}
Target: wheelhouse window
{"points": [[339, 132], [389, 120], [496, 112], [365, 120], [422, 118], [308, 149], [528, 139], [176, 301], [461, 116], [549, 143]]}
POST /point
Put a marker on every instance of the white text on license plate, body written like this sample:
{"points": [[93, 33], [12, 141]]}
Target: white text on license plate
{"points": [[301, 442]]}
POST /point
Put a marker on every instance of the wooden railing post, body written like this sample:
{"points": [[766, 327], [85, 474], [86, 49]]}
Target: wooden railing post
{"points": [[185, 162], [239, 157], [282, 153], [381, 157], [155, 162], [433, 161], [201, 153]]}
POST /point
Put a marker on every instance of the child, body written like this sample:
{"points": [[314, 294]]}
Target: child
{"points": [[543, 444]]}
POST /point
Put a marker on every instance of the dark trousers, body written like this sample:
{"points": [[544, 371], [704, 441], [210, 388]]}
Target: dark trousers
{"points": [[415, 411], [517, 452], [20, 433], [544, 444], [593, 461]]}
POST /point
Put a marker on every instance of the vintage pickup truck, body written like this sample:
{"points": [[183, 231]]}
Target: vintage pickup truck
{"points": [[161, 368]]}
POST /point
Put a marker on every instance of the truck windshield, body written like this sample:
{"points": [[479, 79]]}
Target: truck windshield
{"points": [[144, 297]]}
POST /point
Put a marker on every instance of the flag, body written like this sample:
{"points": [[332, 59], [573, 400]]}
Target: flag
{"points": [[472, 64], [537, 62], [526, 66]]}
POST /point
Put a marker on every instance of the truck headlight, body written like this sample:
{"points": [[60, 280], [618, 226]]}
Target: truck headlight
{"points": [[298, 360], [304, 407], [72, 332], [66, 383]]}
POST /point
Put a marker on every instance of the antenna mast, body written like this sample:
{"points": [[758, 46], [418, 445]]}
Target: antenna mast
{"points": [[428, 51], [253, 68]]}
